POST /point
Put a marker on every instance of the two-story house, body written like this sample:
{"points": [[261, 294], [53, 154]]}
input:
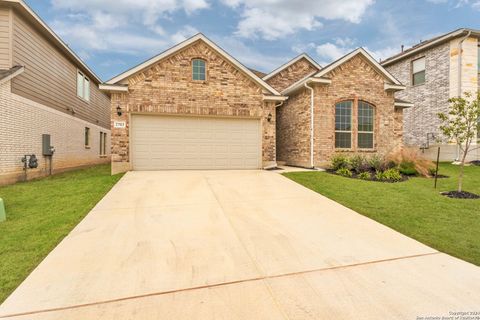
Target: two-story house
{"points": [[46, 93], [434, 71]]}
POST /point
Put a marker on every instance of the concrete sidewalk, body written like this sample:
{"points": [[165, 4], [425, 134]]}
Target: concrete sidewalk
{"points": [[237, 245]]}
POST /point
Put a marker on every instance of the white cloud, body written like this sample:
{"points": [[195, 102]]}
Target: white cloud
{"points": [[183, 34], [273, 19], [329, 52], [123, 26], [249, 56]]}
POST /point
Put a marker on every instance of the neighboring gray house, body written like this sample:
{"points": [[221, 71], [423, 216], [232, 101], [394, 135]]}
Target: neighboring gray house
{"points": [[431, 73], [46, 89]]}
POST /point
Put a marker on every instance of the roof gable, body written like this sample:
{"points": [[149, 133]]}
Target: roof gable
{"points": [[360, 51], [198, 37], [292, 62]]}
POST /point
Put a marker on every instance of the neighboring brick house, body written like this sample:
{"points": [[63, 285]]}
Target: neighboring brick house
{"points": [[192, 107], [430, 71], [354, 110], [46, 89]]}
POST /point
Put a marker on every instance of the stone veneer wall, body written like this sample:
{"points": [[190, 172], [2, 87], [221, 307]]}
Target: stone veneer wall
{"points": [[167, 88], [292, 74], [356, 80], [23, 123], [429, 98]]}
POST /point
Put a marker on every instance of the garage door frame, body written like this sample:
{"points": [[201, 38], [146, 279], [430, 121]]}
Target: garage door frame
{"points": [[130, 128]]}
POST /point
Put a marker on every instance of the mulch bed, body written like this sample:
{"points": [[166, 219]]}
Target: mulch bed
{"points": [[460, 195], [475, 162], [355, 176]]}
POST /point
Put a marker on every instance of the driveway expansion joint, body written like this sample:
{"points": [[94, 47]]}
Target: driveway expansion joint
{"points": [[78, 306]]}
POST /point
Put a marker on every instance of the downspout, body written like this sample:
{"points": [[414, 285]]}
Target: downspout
{"points": [[459, 92], [311, 123]]}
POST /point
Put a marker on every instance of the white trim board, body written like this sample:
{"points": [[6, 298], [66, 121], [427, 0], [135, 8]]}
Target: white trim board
{"points": [[184, 44], [289, 63], [13, 75], [352, 54]]}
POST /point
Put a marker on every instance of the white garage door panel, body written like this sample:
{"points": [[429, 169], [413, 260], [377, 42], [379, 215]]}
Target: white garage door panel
{"points": [[167, 142]]}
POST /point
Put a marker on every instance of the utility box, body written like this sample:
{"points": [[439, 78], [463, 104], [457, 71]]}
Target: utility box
{"points": [[3, 215], [47, 149]]}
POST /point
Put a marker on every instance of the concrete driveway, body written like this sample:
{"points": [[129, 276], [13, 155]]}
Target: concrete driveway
{"points": [[237, 245]]}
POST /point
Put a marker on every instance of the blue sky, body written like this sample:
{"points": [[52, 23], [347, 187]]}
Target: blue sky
{"points": [[114, 35]]}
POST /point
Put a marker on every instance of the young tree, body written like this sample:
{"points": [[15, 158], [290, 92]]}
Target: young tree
{"points": [[460, 124]]}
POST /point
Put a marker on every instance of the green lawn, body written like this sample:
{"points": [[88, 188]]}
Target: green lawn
{"points": [[413, 208], [40, 214]]}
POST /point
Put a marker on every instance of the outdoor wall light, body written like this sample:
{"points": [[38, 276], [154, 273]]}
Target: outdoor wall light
{"points": [[269, 117], [119, 110]]}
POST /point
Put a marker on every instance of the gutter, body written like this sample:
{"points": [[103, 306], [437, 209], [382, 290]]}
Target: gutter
{"points": [[311, 122]]}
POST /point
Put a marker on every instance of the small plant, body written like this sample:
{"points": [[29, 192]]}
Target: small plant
{"points": [[392, 175], [364, 176], [376, 162], [340, 161], [412, 156], [408, 168], [358, 163], [379, 175], [345, 172], [460, 125]]}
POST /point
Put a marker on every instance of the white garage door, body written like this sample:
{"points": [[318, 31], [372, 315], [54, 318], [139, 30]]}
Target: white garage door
{"points": [[171, 142]]}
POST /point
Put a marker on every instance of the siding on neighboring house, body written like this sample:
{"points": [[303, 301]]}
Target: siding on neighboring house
{"points": [[5, 38], [429, 98], [50, 78]]}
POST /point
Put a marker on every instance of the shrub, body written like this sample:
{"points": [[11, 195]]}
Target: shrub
{"points": [[376, 162], [365, 175], [412, 155], [345, 172], [359, 163], [380, 176], [340, 161], [407, 168], [392, 175]]}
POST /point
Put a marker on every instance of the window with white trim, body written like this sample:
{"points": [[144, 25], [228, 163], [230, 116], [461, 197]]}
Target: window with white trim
{"points": [[83, 86], [343, 125], [199, 69], [418, 71], [366, 117]]}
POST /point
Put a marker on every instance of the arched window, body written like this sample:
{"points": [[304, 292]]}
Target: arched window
{"points": [[343, 125], [198, 69], [366, 121]]}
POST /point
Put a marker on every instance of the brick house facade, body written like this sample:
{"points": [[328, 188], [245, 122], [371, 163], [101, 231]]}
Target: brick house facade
{"points": [[355, 77], [442, 81], [165, 87]]}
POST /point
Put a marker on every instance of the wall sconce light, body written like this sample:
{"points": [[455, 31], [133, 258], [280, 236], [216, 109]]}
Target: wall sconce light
{"points": [[119, 110], [269, 117]]}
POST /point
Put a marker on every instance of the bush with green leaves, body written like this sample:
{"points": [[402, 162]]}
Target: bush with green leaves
{"points": [[340, 161], [392, 175], [345, 172], [359, 163], [376, 162], [407, 168], [364, 176]]}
